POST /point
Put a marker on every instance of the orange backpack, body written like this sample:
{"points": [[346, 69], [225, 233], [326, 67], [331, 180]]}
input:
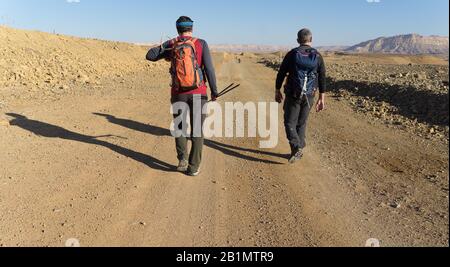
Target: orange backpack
{"points": [[186, 73]]}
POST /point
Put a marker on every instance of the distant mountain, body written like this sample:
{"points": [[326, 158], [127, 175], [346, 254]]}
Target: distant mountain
{"points": [[412, 44], [336, 48], [234, 48]]}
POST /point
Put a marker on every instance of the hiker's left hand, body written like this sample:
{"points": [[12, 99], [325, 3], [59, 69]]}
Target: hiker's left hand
{"points": [[213, 98]]}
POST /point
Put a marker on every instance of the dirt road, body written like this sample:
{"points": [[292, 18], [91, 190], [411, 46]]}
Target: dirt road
{"points": [[98, 166]]}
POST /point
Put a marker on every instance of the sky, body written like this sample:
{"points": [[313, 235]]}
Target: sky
{"points": [[264, 22]]}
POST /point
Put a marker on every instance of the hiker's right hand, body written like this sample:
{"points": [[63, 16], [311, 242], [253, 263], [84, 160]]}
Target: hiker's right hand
{"points": [[166, 45], [278, 96], [213, 98]]}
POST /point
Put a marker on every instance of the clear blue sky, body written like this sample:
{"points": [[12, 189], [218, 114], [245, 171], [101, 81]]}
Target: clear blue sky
{"points": [[334, 22]]}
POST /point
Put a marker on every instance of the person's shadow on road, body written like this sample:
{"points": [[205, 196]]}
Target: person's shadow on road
{"points": [[51, 131], [226, 149]]}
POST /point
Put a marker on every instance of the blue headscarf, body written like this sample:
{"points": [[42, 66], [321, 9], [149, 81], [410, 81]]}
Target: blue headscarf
{"points": [[185, 24]]}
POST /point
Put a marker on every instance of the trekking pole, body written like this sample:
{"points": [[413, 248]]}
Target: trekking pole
{"points": [[224, 92], [228, 89], [161, 42], [168, 39]]}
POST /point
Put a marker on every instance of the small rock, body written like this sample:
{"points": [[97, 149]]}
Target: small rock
{"points": [[83, 78], [420, 76]]}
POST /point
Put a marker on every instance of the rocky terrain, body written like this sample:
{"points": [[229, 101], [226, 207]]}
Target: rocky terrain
{"points": [[403, 44], [406, 96], [415, 97], [37, 62]]}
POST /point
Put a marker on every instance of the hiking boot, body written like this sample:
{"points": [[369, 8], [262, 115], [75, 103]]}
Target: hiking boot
{"points": [[183, 166], [193, 173], [296, 156]]}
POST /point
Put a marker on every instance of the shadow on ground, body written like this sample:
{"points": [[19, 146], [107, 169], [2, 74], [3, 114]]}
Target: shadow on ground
{"points": [[51, 131], [226, 149]]}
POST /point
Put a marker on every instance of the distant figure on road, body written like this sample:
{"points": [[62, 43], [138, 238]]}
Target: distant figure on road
{"points": [[305, 69], [191, 68]]}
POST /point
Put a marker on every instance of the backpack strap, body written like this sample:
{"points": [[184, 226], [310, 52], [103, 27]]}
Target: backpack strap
{"points": [[193, 41], [313, 50], [175, 41], [308, 51]]}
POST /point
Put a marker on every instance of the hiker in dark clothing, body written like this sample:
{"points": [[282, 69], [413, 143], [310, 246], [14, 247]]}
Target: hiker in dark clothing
{"points": [[305, 69], [191, 68]]}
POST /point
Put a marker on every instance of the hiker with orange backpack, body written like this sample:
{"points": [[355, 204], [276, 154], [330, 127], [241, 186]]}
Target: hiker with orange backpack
{"points": [[191, 68]]}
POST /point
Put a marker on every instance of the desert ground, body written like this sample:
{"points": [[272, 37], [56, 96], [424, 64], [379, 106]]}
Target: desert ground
{"points": [[86, 153]]}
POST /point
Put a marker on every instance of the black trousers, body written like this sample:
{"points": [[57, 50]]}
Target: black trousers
{"points": [[195, 155], [296, 114]]}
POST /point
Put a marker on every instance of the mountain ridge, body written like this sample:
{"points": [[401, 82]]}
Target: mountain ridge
{"points": [[412, 44]]}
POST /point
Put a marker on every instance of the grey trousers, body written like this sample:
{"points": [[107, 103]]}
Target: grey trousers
{"points": [[296, 114], [195, 155]]}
